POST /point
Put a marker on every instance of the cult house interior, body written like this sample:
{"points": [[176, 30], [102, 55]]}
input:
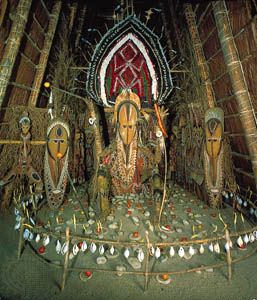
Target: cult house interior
{"points": [[128, 146]]}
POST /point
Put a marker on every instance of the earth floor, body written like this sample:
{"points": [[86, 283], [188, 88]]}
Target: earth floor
{"points": [[184, 218]]}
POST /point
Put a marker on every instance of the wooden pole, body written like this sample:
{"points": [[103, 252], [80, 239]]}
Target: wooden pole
{"points": [[199, 55], [13, 44], [73, 12], [175, 25], [229, 259], [17, 142], [81, 21], [21, 240], [239, 84], [147, 260], [98, 136], [45, 53], [66, 260]]}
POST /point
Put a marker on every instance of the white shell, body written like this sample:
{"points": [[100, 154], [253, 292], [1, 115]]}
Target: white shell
{"points": [[18, 218], [17, 226], [58, 247], [191, 251], [157, 252], [75, 249], [101, 250], [239, 241], [158, 133], [251, 238], [255, 234], [227, 246], [246, 239], [211, 247], [217, 247], [201, 250], [64, 248], [84, 246], [92, 247], [172, 251], [32, 221], [112, 250], [152, 251], [46, 240], [26, 234], [181, 252], [140, 255], [16, 212], [37, 239], [31, 236], [126, 253]]}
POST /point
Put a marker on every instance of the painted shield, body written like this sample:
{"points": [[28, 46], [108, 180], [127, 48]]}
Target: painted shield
{"points": [[56, 162]]}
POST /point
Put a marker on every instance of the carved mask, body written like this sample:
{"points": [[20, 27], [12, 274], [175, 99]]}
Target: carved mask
{"points": [[214, 133], [25, 125], [127, 122], [214, 124], [57, 142]]}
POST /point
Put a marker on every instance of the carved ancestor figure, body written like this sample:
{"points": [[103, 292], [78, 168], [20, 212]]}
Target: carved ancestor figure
{"points": [[213, 154], [23, 172], [56, 162], [126, 166]]}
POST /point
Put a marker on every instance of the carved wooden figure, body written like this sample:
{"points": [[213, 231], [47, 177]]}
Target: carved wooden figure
{"points": [[56, 162], [213, 154]]}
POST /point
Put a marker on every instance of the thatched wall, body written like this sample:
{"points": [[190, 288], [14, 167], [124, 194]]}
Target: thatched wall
{"points": [[21, 81], [242, 20]]}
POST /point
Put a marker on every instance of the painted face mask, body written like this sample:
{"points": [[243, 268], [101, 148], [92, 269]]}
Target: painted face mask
{"points": [[213, 154], [214, 132], [56, 162], [127, 122], [57, 141]]}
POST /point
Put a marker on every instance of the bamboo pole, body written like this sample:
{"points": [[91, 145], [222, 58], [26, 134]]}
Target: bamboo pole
{"points": [[98, 137], [229, 260], [45, 53], [199, 55], [21, 241], [66, 260], [17, 142], [13, 44], [239, 84], [81, 21], [73, 12]]}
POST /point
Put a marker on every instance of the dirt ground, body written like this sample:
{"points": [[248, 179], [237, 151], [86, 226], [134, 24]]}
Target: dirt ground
{"points": [[31, 278]]}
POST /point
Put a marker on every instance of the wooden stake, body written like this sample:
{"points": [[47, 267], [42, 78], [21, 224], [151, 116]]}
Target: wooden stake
{"points": [[237, 77], [13, 44], [45, 53], [229, 260], [147, 260], [66, 260], [21, 240]]}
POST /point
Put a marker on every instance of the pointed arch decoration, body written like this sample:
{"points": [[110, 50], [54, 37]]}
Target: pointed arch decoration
{"points": [[129, 56]]}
